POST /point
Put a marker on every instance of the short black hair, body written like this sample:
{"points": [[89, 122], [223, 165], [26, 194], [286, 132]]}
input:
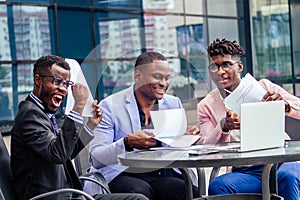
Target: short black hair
{"points": [[224, 46], [148, 57], [45, 63]]}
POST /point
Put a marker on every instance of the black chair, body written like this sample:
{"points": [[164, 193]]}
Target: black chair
{"points": [[201, 181], [7, 191], [82, 163], [292, 127], [6, 188]]}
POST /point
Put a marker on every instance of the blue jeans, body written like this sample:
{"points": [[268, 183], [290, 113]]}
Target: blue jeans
{"points": [[248, 180]]}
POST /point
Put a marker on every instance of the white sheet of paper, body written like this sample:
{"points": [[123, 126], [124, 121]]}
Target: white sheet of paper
{"points": [[182, 141], [249, 90], [170, 127], [78, 77]]}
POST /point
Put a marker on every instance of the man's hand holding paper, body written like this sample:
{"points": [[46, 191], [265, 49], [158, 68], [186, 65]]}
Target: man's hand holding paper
{"points": [[78, 77], [140, 139], [230, 122], [193, 130], [170, 127], [249, 90]]}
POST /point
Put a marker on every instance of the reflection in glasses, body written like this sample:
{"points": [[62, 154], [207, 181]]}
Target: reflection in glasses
{"points": [[59, 81], [214, 67]]}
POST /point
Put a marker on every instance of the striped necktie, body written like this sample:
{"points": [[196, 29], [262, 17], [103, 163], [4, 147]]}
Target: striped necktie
{"points": [[53, 120]]}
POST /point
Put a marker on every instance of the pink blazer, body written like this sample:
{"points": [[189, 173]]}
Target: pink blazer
{"points": [[211, 110]]}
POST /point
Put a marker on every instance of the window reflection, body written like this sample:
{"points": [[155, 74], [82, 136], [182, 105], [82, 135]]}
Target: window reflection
{"points": [[179, 29], [180, 40], [194, 7], [223, 28], [72, 2], [117, 76], [32, 35], [119, 38], [118, 4], [25, 77], [174, 6], [4, 37], [160, 33], [271, 36], [5, 93], [223, 8]]}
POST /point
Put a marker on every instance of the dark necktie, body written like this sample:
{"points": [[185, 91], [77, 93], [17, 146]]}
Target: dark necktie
{"points": [[53, 120]]}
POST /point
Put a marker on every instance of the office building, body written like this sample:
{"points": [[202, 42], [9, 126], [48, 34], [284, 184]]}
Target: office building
{"points": [[106, 36]]}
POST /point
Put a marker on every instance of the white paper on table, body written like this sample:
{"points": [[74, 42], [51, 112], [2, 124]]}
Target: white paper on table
{"points": [[170, 127], [248, 91], [78, 77]]}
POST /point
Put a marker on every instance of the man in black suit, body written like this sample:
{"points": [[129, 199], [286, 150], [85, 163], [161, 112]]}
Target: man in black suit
{"points": [[40, 152]]}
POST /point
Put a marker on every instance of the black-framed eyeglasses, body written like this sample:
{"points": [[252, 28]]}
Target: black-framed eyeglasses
{"points": [[58, 80], [214, 67]]}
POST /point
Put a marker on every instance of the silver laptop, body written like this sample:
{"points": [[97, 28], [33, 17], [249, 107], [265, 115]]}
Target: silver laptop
{"points": [[262, 126]]}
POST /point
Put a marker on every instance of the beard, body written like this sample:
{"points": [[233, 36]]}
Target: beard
{"points": [[43, 96]]}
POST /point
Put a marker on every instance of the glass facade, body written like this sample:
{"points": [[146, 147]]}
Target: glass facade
{"points": [[272, 43], [105, 37]]}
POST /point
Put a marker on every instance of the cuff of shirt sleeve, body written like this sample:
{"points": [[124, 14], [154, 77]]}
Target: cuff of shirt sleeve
{"points": [[226, 133], [89, 130], [75, 116]]}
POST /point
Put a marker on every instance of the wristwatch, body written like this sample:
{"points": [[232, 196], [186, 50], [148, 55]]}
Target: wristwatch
{"points": [[287, 107], [126, 144], [225, 130]]}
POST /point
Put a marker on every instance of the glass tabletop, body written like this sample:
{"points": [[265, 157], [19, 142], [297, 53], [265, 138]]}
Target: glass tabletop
{"points": [[181, 158]]}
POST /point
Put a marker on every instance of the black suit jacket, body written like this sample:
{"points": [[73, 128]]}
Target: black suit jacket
{"points": [[40, 160]]}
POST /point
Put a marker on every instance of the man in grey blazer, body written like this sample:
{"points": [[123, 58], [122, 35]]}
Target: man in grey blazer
{"points": [[40, 152], [126, 115]]}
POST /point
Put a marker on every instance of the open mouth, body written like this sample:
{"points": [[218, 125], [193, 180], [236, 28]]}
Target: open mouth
{"points": [[57, 99], [160, 91], [224, 80]]}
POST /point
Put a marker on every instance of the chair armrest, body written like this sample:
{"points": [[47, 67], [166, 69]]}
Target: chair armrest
{"points": [[214, 173], [273, 179], [201, 181], [98, 179], [1, 195], [88, 197]]}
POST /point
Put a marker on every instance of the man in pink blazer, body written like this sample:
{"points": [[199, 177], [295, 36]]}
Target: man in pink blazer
{"points": [[220, 125]]}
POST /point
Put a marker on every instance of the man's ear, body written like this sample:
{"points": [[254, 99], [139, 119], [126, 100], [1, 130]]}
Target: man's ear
{"points": [[240, 66], [137, 75], [37, 80]]}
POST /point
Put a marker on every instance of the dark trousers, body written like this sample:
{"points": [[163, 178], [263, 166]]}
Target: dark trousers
{"points": [[248, 180], [157, 185], [120, 197]]}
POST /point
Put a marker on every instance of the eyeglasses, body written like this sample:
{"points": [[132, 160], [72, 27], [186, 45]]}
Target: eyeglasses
{"points": [[214, 67], [58, 80]]}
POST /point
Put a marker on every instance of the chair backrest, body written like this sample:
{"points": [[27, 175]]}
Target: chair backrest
{"points": [[81, 161], [292, 127], [5, 172]]}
